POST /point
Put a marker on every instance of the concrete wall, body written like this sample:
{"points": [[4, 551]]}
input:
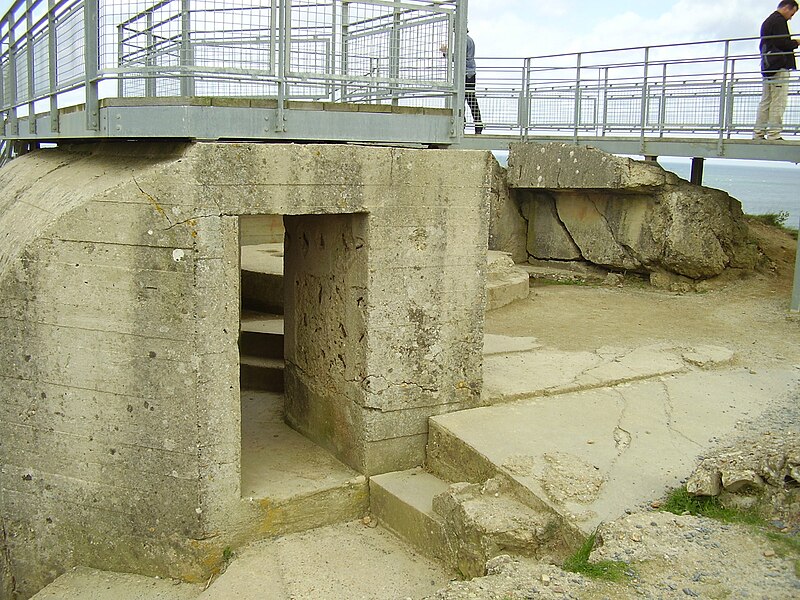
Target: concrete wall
{"points": [[119, 316]]}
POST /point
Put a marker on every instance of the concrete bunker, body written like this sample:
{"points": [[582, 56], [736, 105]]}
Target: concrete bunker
{"points": [[120, 431]]}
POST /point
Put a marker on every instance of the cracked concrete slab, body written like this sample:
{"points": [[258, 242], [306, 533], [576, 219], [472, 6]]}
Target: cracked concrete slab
{"points": [[516, 374], [591, 454]]}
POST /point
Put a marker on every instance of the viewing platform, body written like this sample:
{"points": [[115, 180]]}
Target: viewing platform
{"points": [[361, 71]]}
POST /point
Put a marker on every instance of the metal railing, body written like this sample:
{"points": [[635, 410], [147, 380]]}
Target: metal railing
{"points": [[703, 89], [56, 54], [60, 53]]}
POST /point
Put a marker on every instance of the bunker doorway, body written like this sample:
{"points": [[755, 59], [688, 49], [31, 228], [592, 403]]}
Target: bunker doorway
{"points": [[277, 462]]}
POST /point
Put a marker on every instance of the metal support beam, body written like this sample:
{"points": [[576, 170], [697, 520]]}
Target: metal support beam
{"points": [[697, 170], [796, 292]]}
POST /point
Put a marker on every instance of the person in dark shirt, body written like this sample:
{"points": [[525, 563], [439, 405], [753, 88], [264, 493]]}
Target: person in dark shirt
{"points": [[469, 84], [777, 59]]}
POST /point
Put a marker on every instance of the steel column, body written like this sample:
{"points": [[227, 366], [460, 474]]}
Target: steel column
{"points": [[795, 307], [52, 53], [187, 50], [91, 29], [459, 54]]}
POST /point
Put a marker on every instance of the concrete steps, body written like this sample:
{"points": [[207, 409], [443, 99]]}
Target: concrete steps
{"points": [[403, 503], [505, 282], [292, 484], [261, 362], [464, 525]]}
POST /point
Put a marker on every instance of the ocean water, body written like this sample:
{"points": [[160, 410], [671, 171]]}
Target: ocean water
{"points": [[762, 187]]}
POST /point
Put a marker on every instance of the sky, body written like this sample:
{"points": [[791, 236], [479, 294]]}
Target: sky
{"points": [[521, 28], [515, 28]]}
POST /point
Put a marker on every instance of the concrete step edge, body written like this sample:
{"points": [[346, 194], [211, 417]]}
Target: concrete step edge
{"points": [[453, 459], [403, 503]]}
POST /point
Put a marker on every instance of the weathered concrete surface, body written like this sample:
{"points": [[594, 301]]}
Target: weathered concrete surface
{"points": [[508, 231], [505, 282], [511, 373], [583, 204], [589, 455], [349, 560], [558, 166], [82, 583], [120, 412]]}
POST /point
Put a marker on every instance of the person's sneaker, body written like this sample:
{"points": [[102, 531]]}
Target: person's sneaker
{"points": [[478, 129], [777, 138]]}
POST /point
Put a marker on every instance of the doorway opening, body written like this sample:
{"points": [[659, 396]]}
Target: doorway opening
{"points": [[277, 462]]}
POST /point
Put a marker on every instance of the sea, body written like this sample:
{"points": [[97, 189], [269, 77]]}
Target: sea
{"points": [[762, 187]]}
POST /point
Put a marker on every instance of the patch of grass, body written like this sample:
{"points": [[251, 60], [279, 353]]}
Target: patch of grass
{"points": [[681, 502], [775, 220], [608, 570], [227, 554]]}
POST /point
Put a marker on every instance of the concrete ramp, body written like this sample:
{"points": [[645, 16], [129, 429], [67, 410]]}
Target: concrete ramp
{"points": [[590, 455]]}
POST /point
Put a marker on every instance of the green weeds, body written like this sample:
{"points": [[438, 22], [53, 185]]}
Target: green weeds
{"points": [[608, 570], [775, 220], [681, 502]]}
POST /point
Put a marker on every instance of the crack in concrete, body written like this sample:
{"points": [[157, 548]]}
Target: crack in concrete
{"points": [[669, 409], [6, 566], [154, 201]]}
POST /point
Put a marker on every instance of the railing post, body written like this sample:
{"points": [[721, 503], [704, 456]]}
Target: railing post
{"points": [[31, 70], [187, 51], [345, 60], [723, 86], [577, 114], [662, 110], [729, 100], [459, 53], [605, 103], [330, 59], [52, 55], [524, 107], [394, 53], [12, 127], [284, 53], [91, 31], [645, 95], [149, 60], [120, 60]]}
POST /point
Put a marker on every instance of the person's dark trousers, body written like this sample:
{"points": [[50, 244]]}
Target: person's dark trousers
{"points": [[472, 102]]}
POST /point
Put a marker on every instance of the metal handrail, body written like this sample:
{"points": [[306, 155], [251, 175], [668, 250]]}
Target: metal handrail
{"points": [[60, 53], [696, 88]]}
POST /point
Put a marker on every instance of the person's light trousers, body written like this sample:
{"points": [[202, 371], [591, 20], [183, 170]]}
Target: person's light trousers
{"points": [[774, 97]]}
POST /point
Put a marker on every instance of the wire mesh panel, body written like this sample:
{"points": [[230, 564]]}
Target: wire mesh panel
{"points": [[335, 50]]}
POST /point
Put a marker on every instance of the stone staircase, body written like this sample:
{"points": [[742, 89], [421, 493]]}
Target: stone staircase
{"points": [[261, 361], [463, 525]]}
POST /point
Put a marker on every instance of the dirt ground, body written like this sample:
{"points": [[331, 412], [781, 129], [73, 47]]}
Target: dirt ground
{"points": [[748, 313], [674, 556]]}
